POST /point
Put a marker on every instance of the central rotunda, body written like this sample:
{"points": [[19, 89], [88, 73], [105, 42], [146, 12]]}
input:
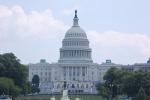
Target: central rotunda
{"points": [[75, 45], [79, 71]]}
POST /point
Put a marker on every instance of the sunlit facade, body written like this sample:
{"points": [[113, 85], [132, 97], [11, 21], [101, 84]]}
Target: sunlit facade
{"points": [[75, 66]]}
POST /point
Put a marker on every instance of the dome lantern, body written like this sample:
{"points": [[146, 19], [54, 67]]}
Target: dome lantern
{"points": [[75, 31], [75, 20]]}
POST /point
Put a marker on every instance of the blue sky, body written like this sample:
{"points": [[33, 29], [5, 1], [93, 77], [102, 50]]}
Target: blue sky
{"points": [[117, 29]]}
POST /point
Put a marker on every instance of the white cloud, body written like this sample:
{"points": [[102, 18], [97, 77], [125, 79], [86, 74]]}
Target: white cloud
{"points": [[126, 43], [69, 10], [26, 34], [35, 24]]}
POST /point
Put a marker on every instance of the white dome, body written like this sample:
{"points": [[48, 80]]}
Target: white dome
{"points": [[75, 45], [75, 32]]}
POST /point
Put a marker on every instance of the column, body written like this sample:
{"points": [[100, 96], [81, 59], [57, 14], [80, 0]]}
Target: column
{"points": [[86, 73], [64, 53], [67, 73], [60, 54], [71, 52], [79, 73], [79, 53], [72, 73], [88, 54]]}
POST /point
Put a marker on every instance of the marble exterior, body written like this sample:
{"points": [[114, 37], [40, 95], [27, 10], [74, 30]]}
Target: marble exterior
{"points": [[75, 66]]}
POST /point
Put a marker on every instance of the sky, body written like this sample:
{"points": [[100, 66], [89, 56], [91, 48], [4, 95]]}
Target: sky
{"points": [[117, 29]]}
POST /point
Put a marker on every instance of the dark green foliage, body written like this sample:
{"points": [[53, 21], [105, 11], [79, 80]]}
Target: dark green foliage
{"points": [[134, 81], [10, 67], [35, 84], [26, 88], [124, 82], [35, 80], [7, 87], [112, 79], [103, 91], [111, 76], [141, 95]]}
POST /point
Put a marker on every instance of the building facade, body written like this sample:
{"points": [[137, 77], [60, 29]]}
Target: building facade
{"points": [[75, 66]]}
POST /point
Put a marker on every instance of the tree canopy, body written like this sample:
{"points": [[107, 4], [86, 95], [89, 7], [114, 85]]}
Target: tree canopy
{"points": [[125, 82], [11, 68], [35, 84], [8, 87], [141, 95]]}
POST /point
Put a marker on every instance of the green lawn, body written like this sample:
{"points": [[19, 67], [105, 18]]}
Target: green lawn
{"points": [[58, 97]]}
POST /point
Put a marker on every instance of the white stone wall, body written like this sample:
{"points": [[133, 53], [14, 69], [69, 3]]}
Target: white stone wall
{"points": [[75, 65], [52, 76]]}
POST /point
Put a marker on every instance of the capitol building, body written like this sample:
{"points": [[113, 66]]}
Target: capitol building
{"points": [[75, 66]]}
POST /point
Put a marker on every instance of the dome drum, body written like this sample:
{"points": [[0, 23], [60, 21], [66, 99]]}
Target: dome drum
{"points": [[75, 43], [75, 54]]}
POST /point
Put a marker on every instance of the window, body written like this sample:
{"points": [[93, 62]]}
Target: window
{"points": [[70, 71], [73, 71], [78, 71], [86, 85], [83, 71]]}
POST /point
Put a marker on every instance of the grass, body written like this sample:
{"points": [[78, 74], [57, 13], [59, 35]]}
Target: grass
{"points": [[58, 97]]}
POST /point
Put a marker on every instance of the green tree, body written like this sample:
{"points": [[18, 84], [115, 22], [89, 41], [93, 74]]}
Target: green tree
{"points": [[112, 80], [133, 81], [119, 81], [103, 91], [10, 67], [141, 95], [8, 87], [35, 84], [26, 88]]}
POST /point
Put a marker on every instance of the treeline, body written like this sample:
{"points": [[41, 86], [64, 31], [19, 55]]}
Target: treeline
{"points": [[134, 84], [13, 76]]}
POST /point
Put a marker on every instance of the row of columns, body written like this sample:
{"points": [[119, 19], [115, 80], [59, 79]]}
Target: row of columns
{"points": [[75, 53], [72, 43], [75, 73]]}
